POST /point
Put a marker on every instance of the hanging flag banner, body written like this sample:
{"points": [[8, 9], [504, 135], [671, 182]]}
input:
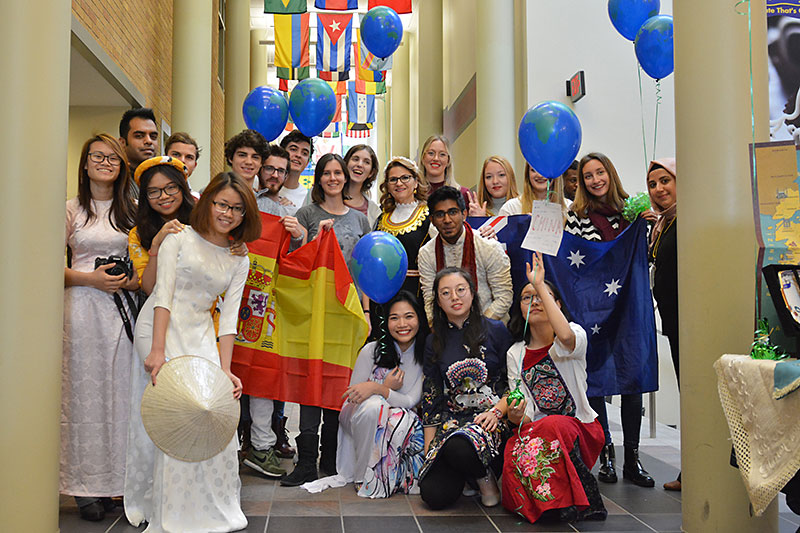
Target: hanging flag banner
{"points": [[400, 6], [370, 61], [301, 323], [339, 87], [334, 37], [336, 5], [360, 107], [285, 6], [361, 72], [291, 46]]}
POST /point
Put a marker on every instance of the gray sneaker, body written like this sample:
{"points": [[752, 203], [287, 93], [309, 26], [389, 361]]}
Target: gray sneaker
{"points": [[265, 462]]}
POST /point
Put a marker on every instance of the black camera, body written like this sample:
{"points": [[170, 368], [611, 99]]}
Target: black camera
{"points": [[122, 265]]}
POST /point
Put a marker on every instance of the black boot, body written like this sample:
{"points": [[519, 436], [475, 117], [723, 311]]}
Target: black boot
{"points": [[607, 473], [633, 469], [328, 444], [282, 447], [306, 468]]}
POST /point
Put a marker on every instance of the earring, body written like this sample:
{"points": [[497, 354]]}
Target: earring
{"points": [[415, 190]]}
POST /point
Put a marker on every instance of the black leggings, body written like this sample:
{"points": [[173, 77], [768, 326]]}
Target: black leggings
{"points": [[631, 414], [456, 462]]}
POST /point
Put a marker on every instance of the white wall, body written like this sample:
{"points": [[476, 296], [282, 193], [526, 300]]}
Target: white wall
{"points": [[565, 36]]}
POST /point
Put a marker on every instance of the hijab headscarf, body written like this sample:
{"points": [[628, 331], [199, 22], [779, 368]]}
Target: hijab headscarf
{"points": [[665, 216]]}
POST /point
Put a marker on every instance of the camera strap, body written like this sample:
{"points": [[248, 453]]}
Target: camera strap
{"points": [[123, 314]]}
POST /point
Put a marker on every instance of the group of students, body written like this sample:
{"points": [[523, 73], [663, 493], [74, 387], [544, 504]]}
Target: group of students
{"points": [[428, 406]]}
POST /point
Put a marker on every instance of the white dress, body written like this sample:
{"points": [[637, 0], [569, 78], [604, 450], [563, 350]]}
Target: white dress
{"points": [[95, 365], [173, 495]]}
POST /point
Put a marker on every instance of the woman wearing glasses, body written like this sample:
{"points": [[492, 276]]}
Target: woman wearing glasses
{"points": [[405, 213], [195, 267], [97, 352], [362, 163], [328, 211], [464, 377]]}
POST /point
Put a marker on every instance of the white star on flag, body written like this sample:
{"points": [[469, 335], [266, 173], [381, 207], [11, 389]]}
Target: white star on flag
{"points": [[576, 259], [334, 26], [613, 287], [595, 329]]}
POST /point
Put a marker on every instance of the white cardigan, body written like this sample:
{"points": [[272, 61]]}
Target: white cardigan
{"points": [[570, 364]]}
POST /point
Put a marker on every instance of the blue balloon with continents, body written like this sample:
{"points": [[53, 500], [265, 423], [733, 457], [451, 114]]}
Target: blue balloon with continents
{"points": [[549, 138], [312, 106], [378, 265], [627, 16], [654, 47], [265, 110], [381, 31]]}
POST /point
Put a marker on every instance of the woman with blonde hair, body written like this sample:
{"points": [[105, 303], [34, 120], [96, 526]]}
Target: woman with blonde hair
{"points": [[497, 186], [535, 188], [437, 165]]}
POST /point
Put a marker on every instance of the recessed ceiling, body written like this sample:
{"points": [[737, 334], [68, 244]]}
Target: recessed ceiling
{"points": [[87, 87]]}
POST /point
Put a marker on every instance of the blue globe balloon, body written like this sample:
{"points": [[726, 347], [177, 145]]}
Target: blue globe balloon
{"points": [[627, 16], [379, 264], [266, 111], [381, 31], [654, 47], [312, 105], [550, 137]]}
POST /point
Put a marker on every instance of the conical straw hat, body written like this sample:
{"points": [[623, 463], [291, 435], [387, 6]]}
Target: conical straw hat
{"points": [[191, 413]]}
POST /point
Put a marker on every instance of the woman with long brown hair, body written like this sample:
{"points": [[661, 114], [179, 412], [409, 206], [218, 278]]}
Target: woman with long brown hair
{"points": [[97, 349]]}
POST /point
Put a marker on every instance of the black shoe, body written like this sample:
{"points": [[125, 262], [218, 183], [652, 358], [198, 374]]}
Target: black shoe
{"points": [[282, 447], [633, 469], [93, 512], [306, 468], [607, 472], [302, 473], [328, 445]]}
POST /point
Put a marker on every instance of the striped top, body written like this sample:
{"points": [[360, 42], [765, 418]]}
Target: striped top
{"points": [[585, 229]]}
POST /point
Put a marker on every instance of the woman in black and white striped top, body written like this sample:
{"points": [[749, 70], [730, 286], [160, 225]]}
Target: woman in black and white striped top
{"points": [[596, 215]]}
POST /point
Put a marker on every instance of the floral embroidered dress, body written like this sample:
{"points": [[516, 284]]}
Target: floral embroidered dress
{"points": [[381, 440], [547, 461], [459, 385]]}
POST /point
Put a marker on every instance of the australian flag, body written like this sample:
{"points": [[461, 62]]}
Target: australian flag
{"points": [[605, 287]]}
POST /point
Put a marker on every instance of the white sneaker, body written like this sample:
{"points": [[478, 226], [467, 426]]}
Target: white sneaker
{"points": [[490, 494]]}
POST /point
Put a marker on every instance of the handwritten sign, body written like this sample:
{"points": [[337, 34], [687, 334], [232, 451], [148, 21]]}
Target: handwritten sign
{"points": [[546, 229]]}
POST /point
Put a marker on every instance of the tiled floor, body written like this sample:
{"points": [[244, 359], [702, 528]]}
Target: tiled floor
{"points": [[271, 508]]}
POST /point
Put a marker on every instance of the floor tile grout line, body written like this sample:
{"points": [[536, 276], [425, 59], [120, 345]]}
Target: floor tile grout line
{"points": [[488, 517], [634, 516], [114, 523], [414, 514]]}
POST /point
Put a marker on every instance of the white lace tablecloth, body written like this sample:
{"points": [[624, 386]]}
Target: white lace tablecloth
{"points": [[765, 432]]}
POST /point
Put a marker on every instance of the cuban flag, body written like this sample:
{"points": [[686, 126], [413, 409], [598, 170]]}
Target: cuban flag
{"points": [[605, 286], [334, 37]]}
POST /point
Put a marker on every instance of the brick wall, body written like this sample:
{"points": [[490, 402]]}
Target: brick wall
{"points": [[138, 37]]}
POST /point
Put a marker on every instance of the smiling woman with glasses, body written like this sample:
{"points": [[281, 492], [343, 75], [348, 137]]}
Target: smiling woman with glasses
{"points": [[464, 376]]}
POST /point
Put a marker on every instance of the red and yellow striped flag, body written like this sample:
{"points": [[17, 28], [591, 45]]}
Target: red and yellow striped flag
{"points": [[301, 323]]}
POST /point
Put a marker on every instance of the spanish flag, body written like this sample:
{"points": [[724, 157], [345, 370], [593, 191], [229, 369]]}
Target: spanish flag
{"points": [[291, 46], [301, 323]]}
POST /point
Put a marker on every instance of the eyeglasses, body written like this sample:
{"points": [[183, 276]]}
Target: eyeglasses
{"points": [[154, 193], [459, 291], [223, 208], [452, 213], [281, 172], [528, 297], [98, 157], [432, 154], [402, 179]]}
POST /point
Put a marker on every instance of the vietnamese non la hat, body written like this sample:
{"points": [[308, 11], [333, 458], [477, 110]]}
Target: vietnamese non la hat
{"points": [[190, 414]]}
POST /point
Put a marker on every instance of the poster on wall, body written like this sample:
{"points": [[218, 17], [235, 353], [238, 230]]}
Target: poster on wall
{"points": [[776, 208], [783, 45]]}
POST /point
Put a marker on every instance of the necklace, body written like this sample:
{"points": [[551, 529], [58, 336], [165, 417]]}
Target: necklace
{"points": [[658, 239]]}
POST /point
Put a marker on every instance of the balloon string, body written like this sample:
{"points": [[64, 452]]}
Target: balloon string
{"points": [[749, 15], [641, 112], [655, 129], [549, 182]]}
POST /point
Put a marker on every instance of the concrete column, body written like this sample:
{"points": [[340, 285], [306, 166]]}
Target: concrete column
{"points": [[495, 81], [429, 81], [237, 64], [34, 83], [258, 58], [716, 244], [193, 21], [400, 102]]}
